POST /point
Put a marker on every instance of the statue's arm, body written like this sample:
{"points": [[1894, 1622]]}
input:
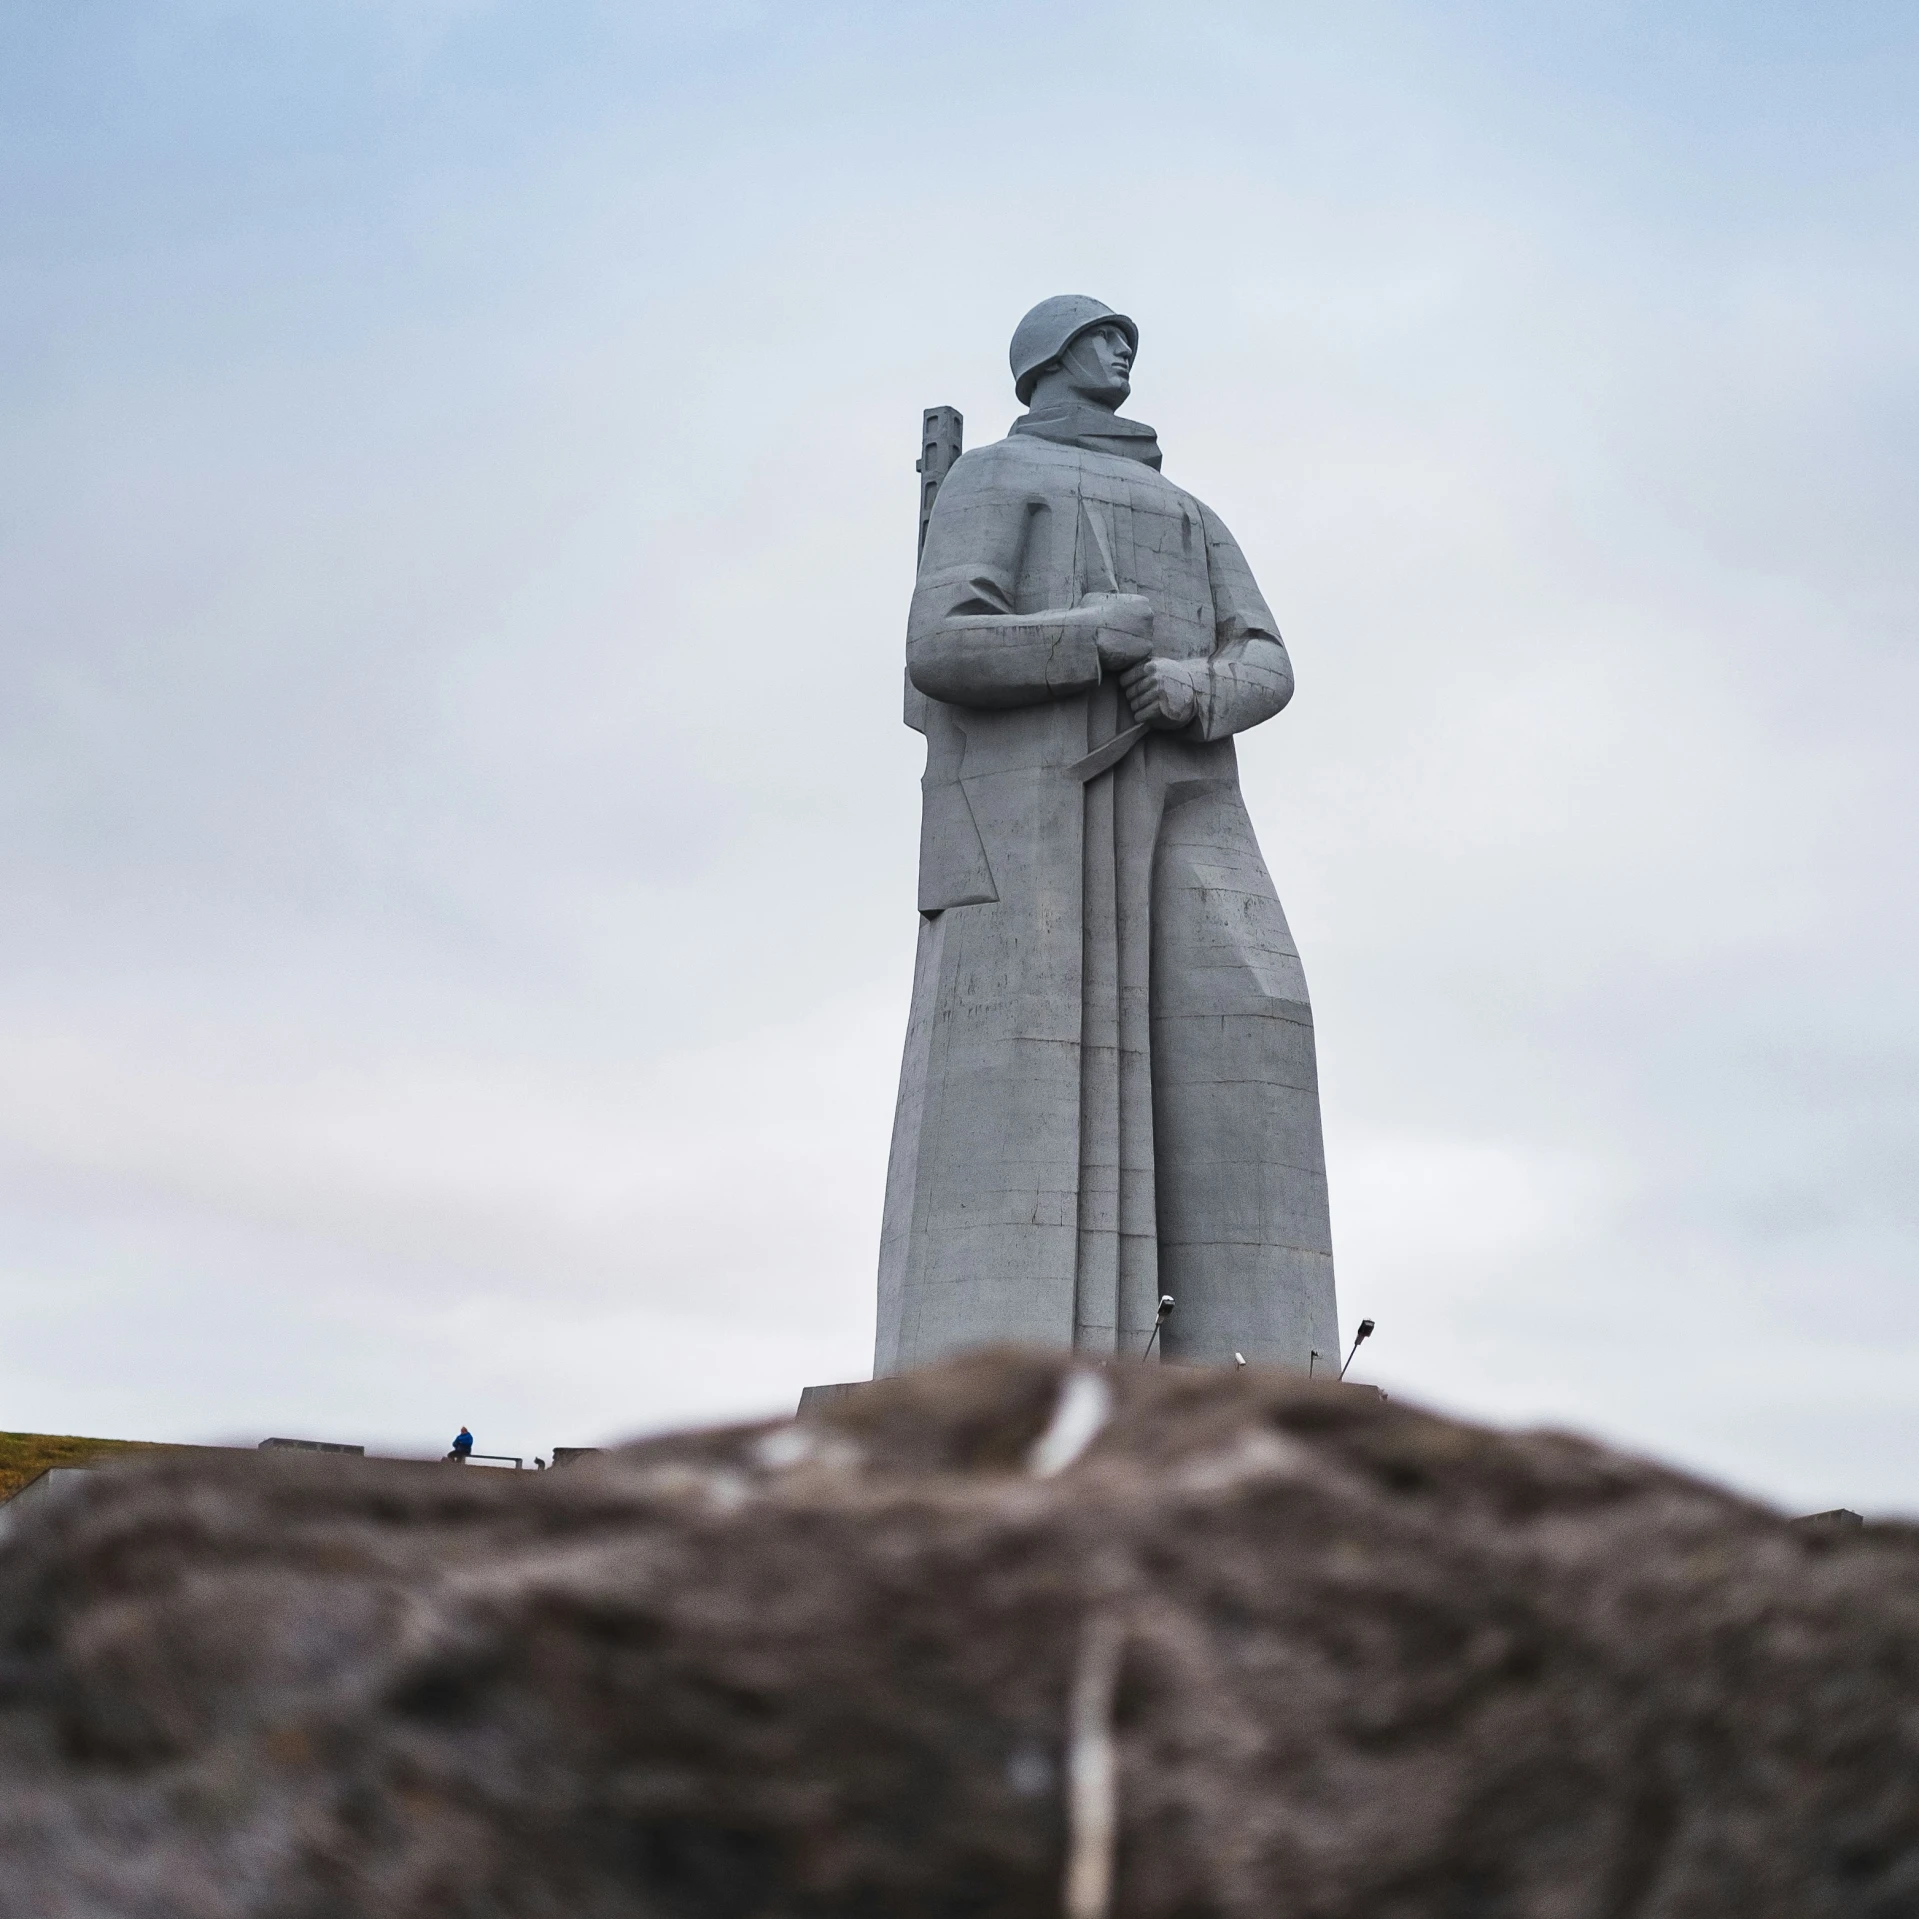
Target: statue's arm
{"points": [[964, 642], [1249, 677]]}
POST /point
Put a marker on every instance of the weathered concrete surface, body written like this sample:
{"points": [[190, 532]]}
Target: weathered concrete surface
{"points": [[1350, 1661], [1110, 1084]]}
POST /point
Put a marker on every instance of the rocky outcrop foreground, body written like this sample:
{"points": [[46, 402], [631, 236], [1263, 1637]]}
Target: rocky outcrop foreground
{"points": [[998, 1638]]}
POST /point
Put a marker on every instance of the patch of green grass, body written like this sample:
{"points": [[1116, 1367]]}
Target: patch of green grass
{"points": [[25, 1456]]}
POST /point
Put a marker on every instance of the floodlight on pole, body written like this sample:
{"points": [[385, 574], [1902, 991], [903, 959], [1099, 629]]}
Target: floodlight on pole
{"points": [[1159, 1319], [1365, 1332]]}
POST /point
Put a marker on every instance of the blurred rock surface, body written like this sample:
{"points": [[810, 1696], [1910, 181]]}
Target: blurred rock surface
{"points": [[1344, 1659]]}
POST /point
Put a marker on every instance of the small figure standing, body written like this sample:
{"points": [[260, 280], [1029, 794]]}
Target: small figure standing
{"points": [[462, 1447]]}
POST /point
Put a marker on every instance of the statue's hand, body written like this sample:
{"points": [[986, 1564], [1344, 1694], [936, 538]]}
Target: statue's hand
{"points": [[1164, 693], [1125, 635]]}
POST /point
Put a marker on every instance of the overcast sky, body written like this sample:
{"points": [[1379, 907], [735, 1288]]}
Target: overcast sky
{"points": [[456, 831]]}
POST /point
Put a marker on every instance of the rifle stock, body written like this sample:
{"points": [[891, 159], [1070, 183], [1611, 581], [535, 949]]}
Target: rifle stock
{"points": [[942, 440]]}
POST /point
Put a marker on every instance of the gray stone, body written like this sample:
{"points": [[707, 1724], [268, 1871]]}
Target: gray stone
{"points": [[1110, 1087], [57, 1482], [815, 1399], [1014, 1635]]}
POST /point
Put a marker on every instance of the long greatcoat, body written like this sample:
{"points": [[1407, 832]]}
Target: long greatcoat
{"points": [[1109, 1088]]}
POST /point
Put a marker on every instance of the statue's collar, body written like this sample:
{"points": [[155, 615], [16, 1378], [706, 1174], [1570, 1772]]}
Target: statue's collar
{"points": [[1092, 427]]}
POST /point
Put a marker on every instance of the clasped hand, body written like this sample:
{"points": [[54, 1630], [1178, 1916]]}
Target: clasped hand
{"points": [[1163, 693]]}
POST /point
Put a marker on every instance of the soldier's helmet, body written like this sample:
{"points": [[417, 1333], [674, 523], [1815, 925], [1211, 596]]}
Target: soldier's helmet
{"points": [[1051, 328]]}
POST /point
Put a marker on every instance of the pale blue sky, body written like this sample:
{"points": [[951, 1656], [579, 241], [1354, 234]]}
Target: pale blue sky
{"points": [[456, 834]]}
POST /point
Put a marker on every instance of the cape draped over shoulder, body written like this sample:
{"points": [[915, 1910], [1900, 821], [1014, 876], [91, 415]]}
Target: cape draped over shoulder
{"points": [[1080, 423]]}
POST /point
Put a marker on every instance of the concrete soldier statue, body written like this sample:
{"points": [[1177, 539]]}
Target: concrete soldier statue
{"points": [[1109, 1089]]}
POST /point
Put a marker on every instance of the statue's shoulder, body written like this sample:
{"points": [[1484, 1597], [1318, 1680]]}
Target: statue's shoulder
{"points": [[1117, 477], [1026, 452], [1017, 465]]}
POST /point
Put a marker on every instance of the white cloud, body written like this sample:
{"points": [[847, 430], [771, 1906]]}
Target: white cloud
{"points": [[455, 829]]}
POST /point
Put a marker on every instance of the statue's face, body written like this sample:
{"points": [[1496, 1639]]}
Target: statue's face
{"points": [[1099, 366]]}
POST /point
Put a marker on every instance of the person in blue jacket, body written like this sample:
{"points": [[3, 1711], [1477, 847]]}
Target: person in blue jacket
{"points": [[462, 1447]]}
